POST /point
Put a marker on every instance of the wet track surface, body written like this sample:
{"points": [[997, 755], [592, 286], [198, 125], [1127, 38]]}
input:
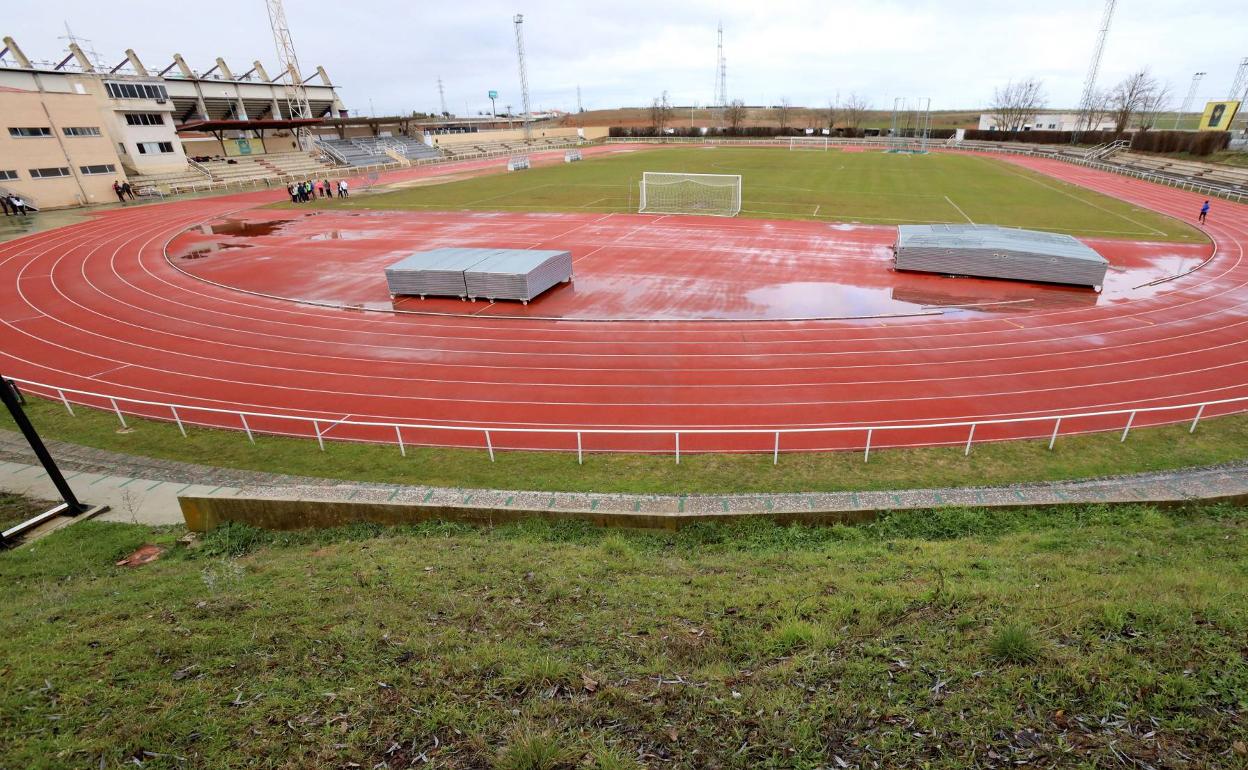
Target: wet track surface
{"points": [[97, 306]]}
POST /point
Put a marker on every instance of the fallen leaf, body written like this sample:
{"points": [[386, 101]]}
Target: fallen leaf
{"points": [[589, 683], [145, 555]]}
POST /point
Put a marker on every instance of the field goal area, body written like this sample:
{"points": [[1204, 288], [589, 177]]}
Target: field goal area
{"points": [[716, 195], [808, 143]]}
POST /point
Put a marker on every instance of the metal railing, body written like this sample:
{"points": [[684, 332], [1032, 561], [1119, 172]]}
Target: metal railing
{"points": [[319, 427]]}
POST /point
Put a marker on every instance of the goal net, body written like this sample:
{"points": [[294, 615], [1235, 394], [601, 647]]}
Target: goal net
{"points": [[518, 162], [808, 143], [716, 195]]}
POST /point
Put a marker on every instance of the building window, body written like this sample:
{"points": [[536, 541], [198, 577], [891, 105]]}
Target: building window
{"points": [[36, 131], [7, 174], [103, 168], [136, 91], [154, 148], [48, 173], [81, 131], [145, 119]]}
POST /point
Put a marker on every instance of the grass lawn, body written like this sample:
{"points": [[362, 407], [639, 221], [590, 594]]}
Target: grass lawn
{"points": [[951, 639], [1219, 440], [14, 509], [871, 187]]}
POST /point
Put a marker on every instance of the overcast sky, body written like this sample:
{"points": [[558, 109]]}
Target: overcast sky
{"points": [[625, 53]]}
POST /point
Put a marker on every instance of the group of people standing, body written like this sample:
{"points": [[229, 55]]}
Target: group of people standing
{"points": [[302, 192], [13, 205], [123, 190]]}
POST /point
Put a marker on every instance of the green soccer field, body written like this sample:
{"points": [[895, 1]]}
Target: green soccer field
{"points": [[869, 187]]}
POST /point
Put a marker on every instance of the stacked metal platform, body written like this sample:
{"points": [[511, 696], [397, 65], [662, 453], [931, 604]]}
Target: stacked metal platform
{"points": [[519, 274], [989, 251], [469, 273]]}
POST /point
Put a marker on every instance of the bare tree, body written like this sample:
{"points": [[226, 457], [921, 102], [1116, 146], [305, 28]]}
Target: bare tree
{"points": [[855, 110], [831, 115], [1017, 104], [660, 112], [1099, 109], [1152, 107], [734, 113], [782, 112], [1133, 95]]}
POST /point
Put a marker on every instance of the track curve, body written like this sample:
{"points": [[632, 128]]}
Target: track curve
{"points": [[95, 306]]}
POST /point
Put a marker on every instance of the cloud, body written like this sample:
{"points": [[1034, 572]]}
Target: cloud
{"points": [[624, 54]]}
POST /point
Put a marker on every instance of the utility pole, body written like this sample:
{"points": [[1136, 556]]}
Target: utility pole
{"points": [[442, 96], [579, 108], [518, 20], [296, 95], [1083, 123], [1191, 96]]}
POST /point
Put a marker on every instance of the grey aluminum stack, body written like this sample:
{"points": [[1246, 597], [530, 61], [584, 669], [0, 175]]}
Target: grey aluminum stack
{"points": [[998, 252], [438, 272], [519, 274]]}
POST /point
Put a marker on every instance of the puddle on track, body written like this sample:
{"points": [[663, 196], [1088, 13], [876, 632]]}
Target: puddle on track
{"points": [[822, 270]]}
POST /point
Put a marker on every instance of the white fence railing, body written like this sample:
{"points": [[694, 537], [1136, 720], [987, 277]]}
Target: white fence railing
{"points": [[319, 427]]}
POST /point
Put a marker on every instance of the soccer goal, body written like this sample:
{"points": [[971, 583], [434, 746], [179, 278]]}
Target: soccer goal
{"points": [[518, 162], [571, 156], [808, 143], [717, 195]]}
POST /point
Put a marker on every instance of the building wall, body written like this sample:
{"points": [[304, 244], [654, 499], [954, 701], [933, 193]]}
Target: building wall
{"points": [[56, 111], [1047, 121], [517, 135]]}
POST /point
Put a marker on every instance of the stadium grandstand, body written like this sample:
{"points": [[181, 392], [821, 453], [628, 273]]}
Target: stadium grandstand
{"points": [[73, 126]]}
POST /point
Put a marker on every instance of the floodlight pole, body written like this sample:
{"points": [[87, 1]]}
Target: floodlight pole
{"points": [[518, 20], [8, 393], [1187, 100]]}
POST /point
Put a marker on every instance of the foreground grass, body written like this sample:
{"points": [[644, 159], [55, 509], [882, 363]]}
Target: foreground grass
{"points": [[14, 509], [951, 639], [1220, 440], [872, 187]]}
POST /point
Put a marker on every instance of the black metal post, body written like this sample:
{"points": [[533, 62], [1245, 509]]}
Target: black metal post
{"points": [[8, 393]]}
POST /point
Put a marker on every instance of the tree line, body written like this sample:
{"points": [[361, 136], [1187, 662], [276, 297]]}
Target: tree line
{"points": [[849, 114], [1134, 102]]}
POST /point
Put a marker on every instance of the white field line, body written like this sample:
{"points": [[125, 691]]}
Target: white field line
{"points": [[959, 208]]}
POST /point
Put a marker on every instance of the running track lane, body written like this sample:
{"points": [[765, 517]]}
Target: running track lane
{"points": [[95, 306]]}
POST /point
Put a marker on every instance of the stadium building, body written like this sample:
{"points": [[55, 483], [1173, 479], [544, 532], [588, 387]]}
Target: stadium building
{"points": [[1048, 121], [69, 129]]}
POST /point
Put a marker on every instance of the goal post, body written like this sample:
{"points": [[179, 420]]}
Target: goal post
{"points": [[808, 143], [716, 195]]}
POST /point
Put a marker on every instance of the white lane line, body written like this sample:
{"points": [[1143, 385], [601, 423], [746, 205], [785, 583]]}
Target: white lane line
{"points": [[959, 208], [107, 371]]}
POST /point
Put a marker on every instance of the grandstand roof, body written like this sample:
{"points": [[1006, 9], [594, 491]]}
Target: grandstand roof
{"points": [[245, 125]]}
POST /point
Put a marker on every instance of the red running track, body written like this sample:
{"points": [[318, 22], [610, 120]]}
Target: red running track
{"points": [[96, 306]]}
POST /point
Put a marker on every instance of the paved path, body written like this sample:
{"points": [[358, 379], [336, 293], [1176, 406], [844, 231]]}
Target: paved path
{"points": [[145, 490]]}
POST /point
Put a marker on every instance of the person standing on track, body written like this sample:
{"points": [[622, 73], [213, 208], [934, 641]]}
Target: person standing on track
{"points": [[1204, 212], [343, 190]]}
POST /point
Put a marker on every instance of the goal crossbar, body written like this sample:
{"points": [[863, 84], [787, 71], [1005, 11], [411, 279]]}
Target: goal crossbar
{"points": [[808, 143], [680, 193]]}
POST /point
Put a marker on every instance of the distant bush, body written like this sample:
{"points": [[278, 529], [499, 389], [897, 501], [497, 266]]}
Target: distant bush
{"points": [[1194, 142], [1041, 137], [752, 132]]}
